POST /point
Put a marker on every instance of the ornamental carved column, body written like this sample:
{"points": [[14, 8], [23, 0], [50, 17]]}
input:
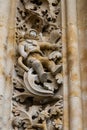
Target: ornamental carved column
{"points": [[37, 101]]}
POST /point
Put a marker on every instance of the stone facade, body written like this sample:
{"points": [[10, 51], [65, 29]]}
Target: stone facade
{"points": [[43, 65]]}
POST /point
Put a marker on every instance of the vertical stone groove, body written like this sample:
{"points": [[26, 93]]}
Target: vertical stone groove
{"points": [[65, 73], [73, 67]]}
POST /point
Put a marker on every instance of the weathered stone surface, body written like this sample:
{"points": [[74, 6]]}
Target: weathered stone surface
{"points": [[37, 98], [82, 32], [71, 108]]}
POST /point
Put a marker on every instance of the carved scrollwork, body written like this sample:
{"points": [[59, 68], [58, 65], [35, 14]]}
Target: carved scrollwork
{"points": [[37, 85]]}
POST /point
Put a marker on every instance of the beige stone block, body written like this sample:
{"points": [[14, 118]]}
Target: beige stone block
{"points": [[75, 113], [66, 115]]}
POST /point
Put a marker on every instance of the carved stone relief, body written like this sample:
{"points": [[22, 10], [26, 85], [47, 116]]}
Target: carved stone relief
{"points": [[37, 102]]}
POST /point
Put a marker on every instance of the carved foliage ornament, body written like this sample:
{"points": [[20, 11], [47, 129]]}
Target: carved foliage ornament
{"points": [[37, 102]]}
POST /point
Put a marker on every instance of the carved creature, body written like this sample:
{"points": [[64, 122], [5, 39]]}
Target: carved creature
{"points": [[30, 50]]}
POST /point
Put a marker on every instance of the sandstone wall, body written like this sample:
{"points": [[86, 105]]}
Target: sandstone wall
{"points": [[82, 34], [7, 17]]}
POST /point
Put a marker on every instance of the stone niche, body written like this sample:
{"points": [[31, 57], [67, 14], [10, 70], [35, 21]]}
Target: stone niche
{"points": [[37, 101]]}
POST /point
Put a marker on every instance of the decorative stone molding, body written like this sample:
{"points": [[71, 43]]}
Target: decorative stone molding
{"points": [[37, 101]]}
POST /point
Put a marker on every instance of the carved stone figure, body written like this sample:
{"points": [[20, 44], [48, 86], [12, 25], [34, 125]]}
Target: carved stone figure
{"points": [[30, 50]]}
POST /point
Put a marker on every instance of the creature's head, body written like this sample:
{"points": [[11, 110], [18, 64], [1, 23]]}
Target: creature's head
{"points": [[31, 34]]}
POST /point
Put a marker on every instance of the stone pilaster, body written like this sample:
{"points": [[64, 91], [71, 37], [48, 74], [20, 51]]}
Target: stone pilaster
{"points": [[75, 104]]}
